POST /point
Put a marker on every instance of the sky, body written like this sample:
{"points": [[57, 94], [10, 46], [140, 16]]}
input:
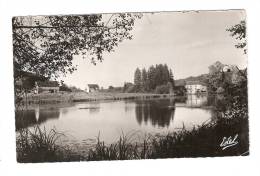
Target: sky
{"points": [[187, 42]]}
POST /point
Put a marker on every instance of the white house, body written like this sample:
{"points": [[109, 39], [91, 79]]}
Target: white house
{"points": [[92, 88], [194, 87]]}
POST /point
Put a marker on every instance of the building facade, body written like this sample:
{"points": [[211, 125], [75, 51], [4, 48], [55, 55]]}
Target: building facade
{"points": [[92, 88], [46, 87], [195, 87]]}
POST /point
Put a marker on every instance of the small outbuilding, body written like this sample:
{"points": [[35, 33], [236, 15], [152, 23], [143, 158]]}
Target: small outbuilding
{"points": [[92, 88], [46, 87]]}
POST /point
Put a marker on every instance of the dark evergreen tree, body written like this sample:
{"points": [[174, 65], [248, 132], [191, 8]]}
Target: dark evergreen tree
{"points": [[144, 80], [138, 79], [151, 78]]}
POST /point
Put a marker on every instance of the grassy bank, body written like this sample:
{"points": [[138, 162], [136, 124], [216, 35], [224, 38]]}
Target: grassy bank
{"points": [[201, 141], [45, 98]]}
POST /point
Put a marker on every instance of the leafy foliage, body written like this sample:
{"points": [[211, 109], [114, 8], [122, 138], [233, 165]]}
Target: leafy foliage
{"points": [[46, 45], [162, 89], [129, 87], [239, 32], [64, 87]]}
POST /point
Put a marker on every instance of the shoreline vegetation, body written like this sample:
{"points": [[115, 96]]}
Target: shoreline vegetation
{"points": [[38, 145], [48, 98]]}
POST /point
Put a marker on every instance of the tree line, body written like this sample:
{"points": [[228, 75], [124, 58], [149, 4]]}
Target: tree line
{"points": [[158, 78]]}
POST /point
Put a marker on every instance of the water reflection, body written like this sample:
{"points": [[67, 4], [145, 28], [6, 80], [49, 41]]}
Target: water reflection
{"points": [[92, 108], [159, 112], [24, 119], [219, 102], [86, 120], [129, 106], [195, 101]]}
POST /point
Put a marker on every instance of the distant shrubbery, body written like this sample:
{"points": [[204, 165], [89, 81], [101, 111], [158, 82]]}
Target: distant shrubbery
{"points": [[112, 89], [162, 89], [65, 88], [129, 88]]}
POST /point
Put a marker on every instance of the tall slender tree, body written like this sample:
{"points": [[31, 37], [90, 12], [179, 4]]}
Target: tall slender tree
{"points": [[151, 78], [171, 78], [144, 80], [138, 79]]}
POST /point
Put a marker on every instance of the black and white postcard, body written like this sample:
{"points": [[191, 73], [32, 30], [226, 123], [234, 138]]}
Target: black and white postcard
{"points": [[130, 86]]}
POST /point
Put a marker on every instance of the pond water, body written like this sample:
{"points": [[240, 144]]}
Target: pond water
{"points": [[109, 119]]}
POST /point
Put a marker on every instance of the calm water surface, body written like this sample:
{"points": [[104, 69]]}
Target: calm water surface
{"points": [[83, 121]]}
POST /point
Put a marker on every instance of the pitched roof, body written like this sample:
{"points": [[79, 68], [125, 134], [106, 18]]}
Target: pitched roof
{"points": [[48, 84], [179, 82], [94, 86], [195, 83]]}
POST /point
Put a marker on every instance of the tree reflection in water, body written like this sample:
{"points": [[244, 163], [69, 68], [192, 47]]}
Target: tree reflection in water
{"points": [[158, 112], [27, 118]]}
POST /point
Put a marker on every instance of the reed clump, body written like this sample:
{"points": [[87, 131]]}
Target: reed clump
{"points": [[40, 145]]}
